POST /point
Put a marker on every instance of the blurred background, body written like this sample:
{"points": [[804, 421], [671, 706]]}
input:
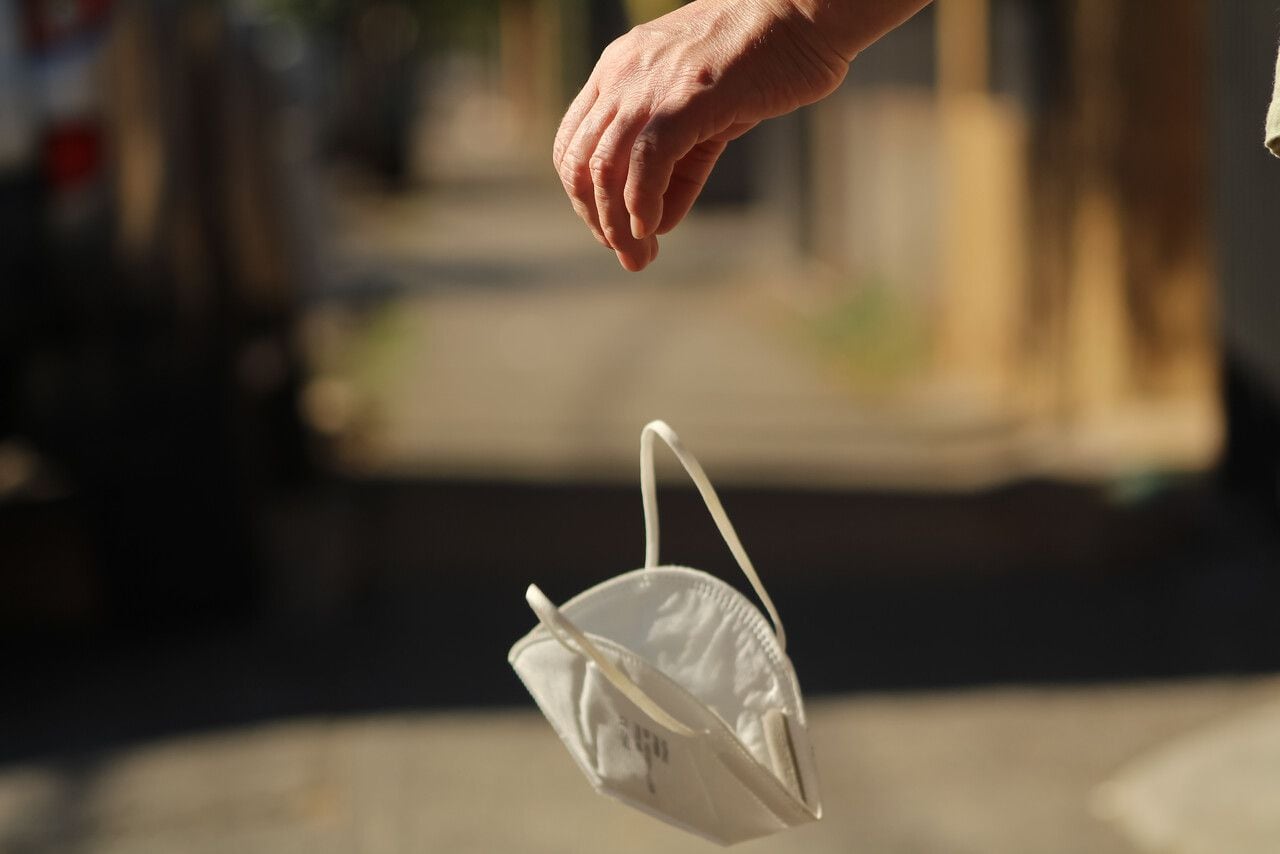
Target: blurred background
{"points": [[307, 369]]}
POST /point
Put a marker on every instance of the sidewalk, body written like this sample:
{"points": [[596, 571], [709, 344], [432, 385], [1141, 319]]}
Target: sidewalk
{"points": [[476, 331], [996, 771]]}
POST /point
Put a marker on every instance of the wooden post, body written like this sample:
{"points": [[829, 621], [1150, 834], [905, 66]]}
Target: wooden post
{"points": [[963, 47], [982, 270], [1123, 270]]}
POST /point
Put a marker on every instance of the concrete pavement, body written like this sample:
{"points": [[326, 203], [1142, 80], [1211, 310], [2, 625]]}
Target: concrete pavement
{"points": [[994, 771]]}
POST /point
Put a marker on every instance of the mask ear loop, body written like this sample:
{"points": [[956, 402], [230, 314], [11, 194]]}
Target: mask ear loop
{"points": [[563, 630], [649, 493]]}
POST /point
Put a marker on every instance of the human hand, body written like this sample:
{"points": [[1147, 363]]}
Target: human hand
{"points": [[638, 143]]}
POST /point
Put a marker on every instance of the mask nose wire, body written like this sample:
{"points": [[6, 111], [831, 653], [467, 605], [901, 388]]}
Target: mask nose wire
{"points": [[649, 493], [563, 630]]}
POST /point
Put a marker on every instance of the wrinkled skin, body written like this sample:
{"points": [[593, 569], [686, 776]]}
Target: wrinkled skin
{"points": [[638, 143]]}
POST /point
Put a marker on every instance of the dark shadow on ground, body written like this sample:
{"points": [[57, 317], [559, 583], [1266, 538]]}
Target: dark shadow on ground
{"points": [[1034, 583]]}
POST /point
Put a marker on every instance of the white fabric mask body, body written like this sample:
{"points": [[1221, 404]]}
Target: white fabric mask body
{"points": [[672, 691]]}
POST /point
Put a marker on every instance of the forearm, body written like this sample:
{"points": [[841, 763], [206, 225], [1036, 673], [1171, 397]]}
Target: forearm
{"points": [[847, 27]]}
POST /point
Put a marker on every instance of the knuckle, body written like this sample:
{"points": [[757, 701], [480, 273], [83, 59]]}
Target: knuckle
{"points": [[569, 170], [582, 188], [627, 42], [637, 198], [566, 178], [647, 148], [616, 48], [603, 169], [682, 96], [616, 235]]}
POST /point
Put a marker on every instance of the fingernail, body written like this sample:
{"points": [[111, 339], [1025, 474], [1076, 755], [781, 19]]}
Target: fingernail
{"points": [[637, 228]]}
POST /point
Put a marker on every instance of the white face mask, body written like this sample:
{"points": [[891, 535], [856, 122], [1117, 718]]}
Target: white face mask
{"points": [[672, 691]]}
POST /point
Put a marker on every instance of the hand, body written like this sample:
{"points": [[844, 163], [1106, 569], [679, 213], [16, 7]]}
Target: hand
{"points": [[636, 146]]}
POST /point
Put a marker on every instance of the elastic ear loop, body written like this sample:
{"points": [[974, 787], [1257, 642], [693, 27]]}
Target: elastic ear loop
{"points": [[560, 626], [649, 492]]}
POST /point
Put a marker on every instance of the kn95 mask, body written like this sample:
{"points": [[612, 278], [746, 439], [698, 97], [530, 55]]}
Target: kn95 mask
{"points": [[672, 691]]}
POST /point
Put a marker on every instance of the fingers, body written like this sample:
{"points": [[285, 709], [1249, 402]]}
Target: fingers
{"points": [[630, 175], [573, 117], [688, 177], [609, 166], [690, 174], [663, 142], [575, 171]]}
